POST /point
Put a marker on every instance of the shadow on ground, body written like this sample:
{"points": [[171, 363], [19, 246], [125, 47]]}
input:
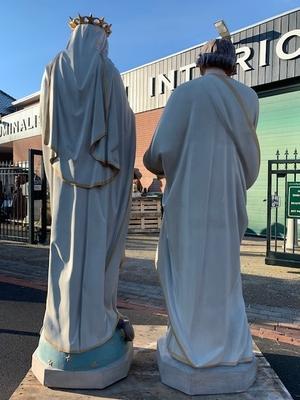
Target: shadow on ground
{"points": [[10, 292], [285, 360]]}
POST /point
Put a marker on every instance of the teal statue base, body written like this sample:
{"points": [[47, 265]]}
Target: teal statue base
{"points": [[93, 369]]}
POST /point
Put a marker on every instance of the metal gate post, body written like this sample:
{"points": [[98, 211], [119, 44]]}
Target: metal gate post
{"points": [[43, 235], [31, 196], [269, 205]]}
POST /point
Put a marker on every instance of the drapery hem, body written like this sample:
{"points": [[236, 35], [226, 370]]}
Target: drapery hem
{"points": [[81, 351], [222, 364], [115, 169]]}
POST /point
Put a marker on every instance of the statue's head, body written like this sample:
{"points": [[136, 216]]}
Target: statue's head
{"points": [[90, 20], [218, 53], [89, 31]]}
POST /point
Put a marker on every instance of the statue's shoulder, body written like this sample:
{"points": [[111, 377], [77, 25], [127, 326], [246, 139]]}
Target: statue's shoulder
{"points": [[190, 85], [112, 66], [244, 90], [188, 89], [55, 60]]}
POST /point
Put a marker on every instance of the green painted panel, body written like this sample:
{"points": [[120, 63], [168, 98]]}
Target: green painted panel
{"points": [[293, 200], [278, 129]]}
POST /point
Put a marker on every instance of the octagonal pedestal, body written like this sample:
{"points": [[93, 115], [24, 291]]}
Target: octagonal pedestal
{"points": [[198, 381]]}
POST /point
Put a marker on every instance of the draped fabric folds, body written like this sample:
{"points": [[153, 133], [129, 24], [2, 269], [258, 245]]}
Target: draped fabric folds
{"points": [[206, 147], [88, 133], [81, 87]]}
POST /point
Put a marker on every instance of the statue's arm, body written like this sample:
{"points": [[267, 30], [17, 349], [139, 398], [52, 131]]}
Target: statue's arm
{"points": [[169, 133], [256, 111]]}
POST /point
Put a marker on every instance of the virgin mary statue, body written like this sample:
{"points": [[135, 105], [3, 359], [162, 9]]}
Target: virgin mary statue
{"points": [[88, 132]]}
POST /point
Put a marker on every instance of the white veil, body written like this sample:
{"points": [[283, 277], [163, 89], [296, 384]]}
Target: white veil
{"points": [[80, 132]]}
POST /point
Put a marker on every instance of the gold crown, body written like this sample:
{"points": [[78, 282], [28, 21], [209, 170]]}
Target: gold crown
{"points": [[90, 20]]}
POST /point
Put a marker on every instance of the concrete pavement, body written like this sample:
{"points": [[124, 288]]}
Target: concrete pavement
{"points": [[271, 296], [271, 293]]}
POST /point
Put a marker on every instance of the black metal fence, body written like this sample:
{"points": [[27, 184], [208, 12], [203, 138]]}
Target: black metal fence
{"points": [[14, 201], [283, 211], [23, 200]]}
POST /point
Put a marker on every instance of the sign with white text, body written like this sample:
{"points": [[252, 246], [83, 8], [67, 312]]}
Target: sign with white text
{"points": [[293, 200]]}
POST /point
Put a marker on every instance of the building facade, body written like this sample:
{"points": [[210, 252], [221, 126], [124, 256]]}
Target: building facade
{"points": [[6, 108], [268, 61]]}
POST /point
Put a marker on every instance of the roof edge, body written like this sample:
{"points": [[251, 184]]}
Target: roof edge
{"points": [[31, 98], [8, 95]]}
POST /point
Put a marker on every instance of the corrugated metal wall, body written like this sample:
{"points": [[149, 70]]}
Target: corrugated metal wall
{"points": [[138, 80]]}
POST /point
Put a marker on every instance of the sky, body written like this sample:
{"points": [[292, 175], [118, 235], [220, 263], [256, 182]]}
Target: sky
{"points": [[34, 31]]}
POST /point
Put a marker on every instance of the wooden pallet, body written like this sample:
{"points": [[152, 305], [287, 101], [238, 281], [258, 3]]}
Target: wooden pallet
{"points": [[145, 215]]}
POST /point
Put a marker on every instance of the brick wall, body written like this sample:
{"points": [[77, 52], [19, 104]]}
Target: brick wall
{"points": [[21, 147], [146, 123]]}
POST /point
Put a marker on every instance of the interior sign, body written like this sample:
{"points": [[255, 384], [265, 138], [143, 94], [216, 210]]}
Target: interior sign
{"points": [[18, 126], [245, 54], [280, 50]]}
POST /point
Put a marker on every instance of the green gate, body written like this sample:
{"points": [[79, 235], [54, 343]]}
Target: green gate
{"points": [[283, 210], [278, 128]]}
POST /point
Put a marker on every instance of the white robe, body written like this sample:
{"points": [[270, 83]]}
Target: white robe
{"points": [[88, 133], [208, 151]]}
